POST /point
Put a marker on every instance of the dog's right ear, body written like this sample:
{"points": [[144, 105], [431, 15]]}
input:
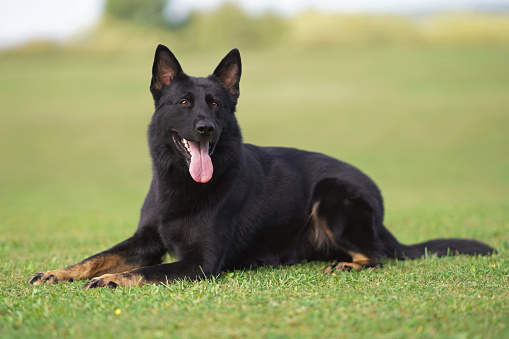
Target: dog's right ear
{"points": [[166, 67]]}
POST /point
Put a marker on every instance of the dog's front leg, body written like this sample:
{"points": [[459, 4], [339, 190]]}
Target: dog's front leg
{"points": [[158, 274], [142, 249]]}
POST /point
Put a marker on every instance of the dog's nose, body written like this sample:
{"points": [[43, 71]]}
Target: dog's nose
{"points": [[205, 127]]}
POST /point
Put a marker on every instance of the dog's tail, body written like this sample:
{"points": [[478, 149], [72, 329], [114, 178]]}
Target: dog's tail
{"points": [[443, 247], [439, 247]]}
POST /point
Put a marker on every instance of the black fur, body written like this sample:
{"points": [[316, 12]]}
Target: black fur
{"points": [[262, 205]]}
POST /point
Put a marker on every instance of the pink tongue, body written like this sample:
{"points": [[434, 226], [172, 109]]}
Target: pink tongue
{"points": [[201, 168]]}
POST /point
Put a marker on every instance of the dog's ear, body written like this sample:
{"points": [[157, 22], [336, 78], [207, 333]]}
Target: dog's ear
{"points": [[166, 67], [229, 71]]}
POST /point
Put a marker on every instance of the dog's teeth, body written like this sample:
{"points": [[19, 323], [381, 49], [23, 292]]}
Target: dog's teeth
{"points": [[186, 145]]}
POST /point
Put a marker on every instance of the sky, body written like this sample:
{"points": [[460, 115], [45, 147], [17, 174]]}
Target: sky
{"points": [[24, 20]]}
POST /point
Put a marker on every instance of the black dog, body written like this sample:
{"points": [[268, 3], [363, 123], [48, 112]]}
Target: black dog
{"points": [[219, 204]]}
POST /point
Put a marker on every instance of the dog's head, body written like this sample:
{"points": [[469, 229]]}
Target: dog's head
{"points": [[194, 117]]}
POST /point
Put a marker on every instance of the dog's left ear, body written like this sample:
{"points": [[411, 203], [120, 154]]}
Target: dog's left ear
{"points": [[229, 70]]}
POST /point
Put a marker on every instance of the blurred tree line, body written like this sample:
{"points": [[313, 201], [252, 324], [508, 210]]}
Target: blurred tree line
{"points": [[227, 26], [142, 12], [149, 21]]}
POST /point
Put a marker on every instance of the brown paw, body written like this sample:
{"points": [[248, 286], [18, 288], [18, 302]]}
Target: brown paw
{"points": [[49, 277], [348, 266], [114, 280], [99, 282], [343, 266]]}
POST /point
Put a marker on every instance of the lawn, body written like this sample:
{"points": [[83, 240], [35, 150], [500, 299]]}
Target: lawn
{"points": [[429, 125]]}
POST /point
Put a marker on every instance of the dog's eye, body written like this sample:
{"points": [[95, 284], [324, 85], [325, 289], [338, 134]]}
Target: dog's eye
{"points": [[214, 104], [184, 102]]}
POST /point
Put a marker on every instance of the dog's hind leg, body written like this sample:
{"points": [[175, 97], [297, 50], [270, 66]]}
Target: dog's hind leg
{"points": [[142, 249], [346, 222]]}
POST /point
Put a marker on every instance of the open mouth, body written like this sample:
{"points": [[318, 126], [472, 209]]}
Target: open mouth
{"points": [[184, 148], [197, 155]]}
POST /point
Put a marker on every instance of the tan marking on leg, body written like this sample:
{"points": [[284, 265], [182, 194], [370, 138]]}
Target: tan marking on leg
{"points": [[320, 234], [88, 268], [359, 261], [345, 266]]}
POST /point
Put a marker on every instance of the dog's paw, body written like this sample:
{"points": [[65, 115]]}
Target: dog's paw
{"points": [[114, 280], [343, 266], [102, 281], [50, 277], [347, 266]]}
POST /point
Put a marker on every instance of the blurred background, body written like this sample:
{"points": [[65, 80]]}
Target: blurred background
{"points": [[415, 93]]}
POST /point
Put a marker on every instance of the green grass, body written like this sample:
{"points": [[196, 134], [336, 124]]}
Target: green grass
{"points": [[430, 125]]}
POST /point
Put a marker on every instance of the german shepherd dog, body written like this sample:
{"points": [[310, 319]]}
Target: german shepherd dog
{"points": [[218, 204]]}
